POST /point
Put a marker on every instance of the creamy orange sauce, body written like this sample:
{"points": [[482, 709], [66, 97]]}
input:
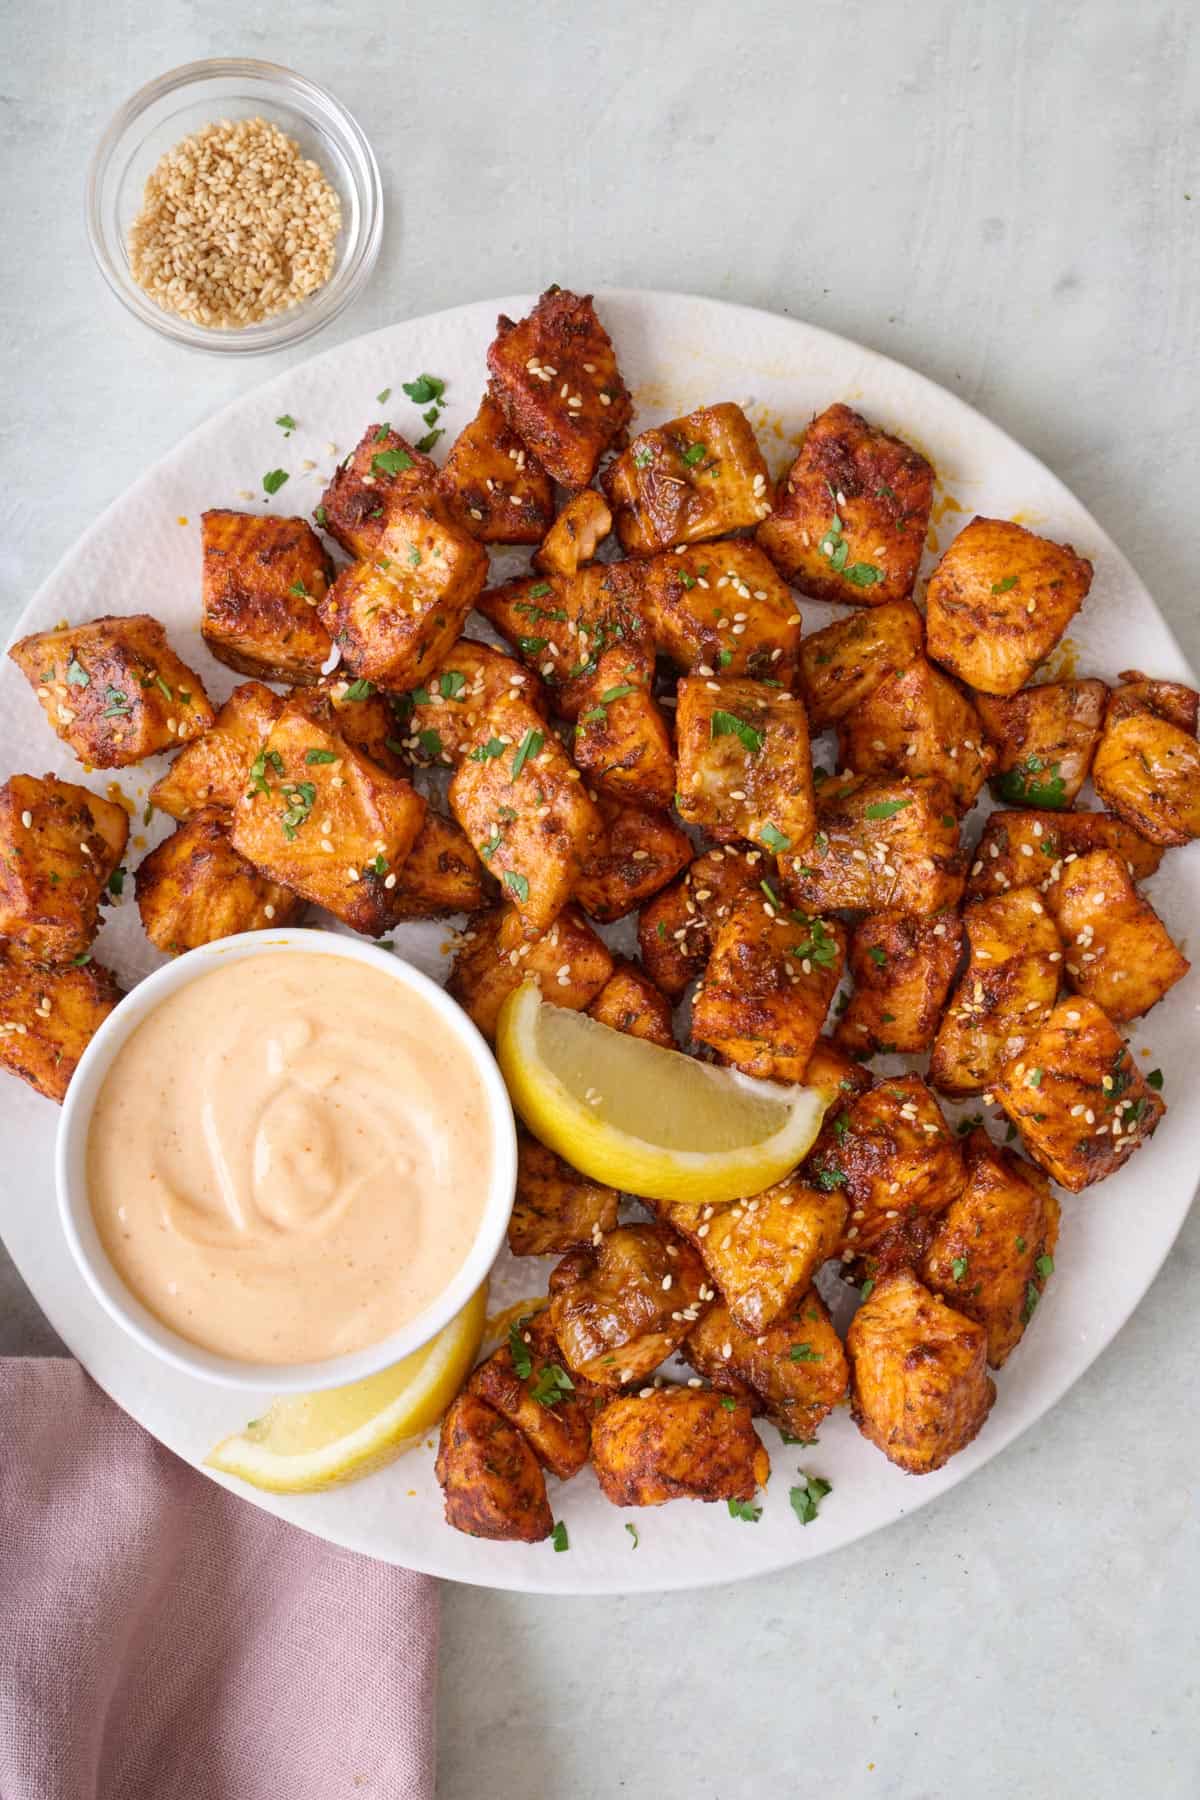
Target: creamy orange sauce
{"points": [[289, 1158]]}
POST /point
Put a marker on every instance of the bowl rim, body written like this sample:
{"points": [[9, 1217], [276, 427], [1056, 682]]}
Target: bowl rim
{"points": [[83, 1239], [284, 329]]}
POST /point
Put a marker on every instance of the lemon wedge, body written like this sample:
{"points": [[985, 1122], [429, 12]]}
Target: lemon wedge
{"points": [[649, 1121], [307, 1442]]}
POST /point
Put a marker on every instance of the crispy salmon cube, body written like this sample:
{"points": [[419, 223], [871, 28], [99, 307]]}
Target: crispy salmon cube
{"points": [[851, 514], [677, 1443], [114, 689], [526, 1383], [795, 1373], [1118, 951], [491, 1481], [628, 1305], [263, 580], [717, 609], [993, 1251], [376, 487], [998, 602], [639, 853], [693, 478], [622, 741], [526, 811], [1020, 849], [764, 1252], [59, 844], [902, 967], [767, 988], [630, 1002], [365, 719], [1076, 1096], [437, 721], [745, 767], [441, 873], [576, 535], [920, 1389], [891, 1153], [675, 930], [496, 488], [569, 963], [323, 819], [560, 626], [195, 888], [1011, 981], [881, 841], [214, 770], [1147, 763], [556, 1208], [556, 379], [840, 665], [49, 1016], [919, 722], [835, 1072], [1044, 739], [396, 616]]}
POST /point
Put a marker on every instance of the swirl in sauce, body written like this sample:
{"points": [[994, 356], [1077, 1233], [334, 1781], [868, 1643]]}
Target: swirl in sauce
{"points": [[288, 1159]]}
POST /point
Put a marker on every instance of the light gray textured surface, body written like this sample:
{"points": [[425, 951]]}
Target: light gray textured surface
{"points": [[1006, 197]]}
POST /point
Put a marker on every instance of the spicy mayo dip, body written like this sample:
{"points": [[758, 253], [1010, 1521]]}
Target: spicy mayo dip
{"points": [[288, 1160]]}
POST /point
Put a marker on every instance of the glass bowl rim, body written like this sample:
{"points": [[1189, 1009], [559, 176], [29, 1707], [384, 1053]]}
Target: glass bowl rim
{"points": [[298, 322]]}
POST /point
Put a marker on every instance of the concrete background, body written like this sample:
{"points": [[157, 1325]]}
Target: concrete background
{"points": [[1004, 195]]}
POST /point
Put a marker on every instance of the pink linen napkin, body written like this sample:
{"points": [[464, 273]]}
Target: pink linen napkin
{"points": [[161, 1639]]}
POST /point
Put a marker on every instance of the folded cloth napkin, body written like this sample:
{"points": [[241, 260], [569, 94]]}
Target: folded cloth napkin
{"points": [[161, 1639]]}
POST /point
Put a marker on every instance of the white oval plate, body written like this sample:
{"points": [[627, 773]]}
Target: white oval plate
{"points": [[676, 352]]}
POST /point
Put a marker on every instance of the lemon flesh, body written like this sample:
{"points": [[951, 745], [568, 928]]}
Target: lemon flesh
{"points": [[649, 1121], [306, 1442]]}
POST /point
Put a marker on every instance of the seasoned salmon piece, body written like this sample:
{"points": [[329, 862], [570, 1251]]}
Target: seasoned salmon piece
{"points": [[698, 477]]}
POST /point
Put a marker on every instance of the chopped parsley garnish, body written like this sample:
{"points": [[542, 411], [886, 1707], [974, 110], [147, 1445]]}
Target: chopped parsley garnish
{"points": [[773, 839], [116, 882], [531, 646], [80, 961], [1044, 1266], [424, 389], [746, 1511], [617, 693], [1155, 1078], [320, 756], [727, 724], [274, 479], [1018, 787], [632, 1530], [258, 770], [286, 423], [362, 689], [724, 658], [1034, 1078], [118, 703], [1032, 1296], [519, 1350], [300, 796], [320, 515], [535, 613], [643, 456], [301, 592], [885, 809], [804, 1443], [77, 675], [828, 1179], [451, 684], [517, 886], [820, 946], [539, 590], [685, 580], [728, 1403], [867, 1289], [486, 752], [489, 846], [425, 444], [878, 956], [163, 688], [430, 741], [384, 397], [391, 462], [558, 1537], [958, 1267], [694, 454], [1021, 1246], [836, 552], [530, 745], [552, 1386], [804, 1353], [806, 1498], [1003, 587]]}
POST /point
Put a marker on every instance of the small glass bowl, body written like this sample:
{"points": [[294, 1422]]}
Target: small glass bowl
{"points": [[182, 102]]}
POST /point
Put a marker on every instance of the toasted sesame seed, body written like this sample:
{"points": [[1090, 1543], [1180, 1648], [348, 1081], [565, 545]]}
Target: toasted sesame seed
{"points": [[27, 819]]}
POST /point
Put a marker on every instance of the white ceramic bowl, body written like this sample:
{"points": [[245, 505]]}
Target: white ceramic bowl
{"points": [[80, 1228]]}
